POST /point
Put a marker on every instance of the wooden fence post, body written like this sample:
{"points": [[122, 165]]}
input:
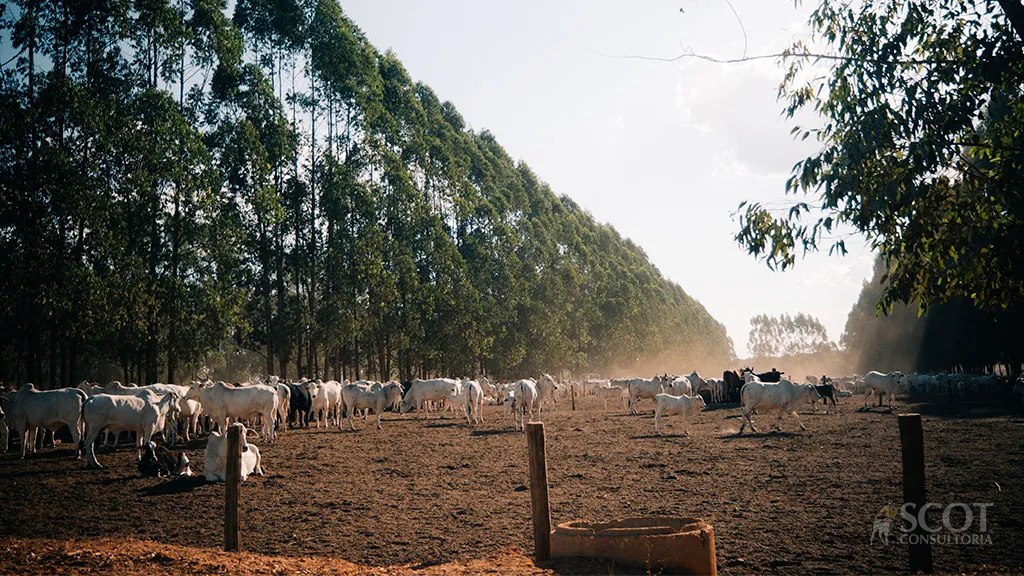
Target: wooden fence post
{"points": [[539, 491], [572, 394], [233, 490], [912, 441]]}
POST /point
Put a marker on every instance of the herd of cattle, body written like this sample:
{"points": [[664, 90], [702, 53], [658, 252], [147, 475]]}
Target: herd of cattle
{"points": [[187, 410]]}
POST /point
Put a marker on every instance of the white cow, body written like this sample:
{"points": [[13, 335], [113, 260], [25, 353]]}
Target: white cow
{"points": [[91, 389], [223, 402], [783, 395], [525, 398], [325, 405], [216, 464], [546, 387], [882, 384], [680, 386], [686, 406], [810, 379], [612, 393], [423, 391], [284, 403], [644, 388], [145, 415], [359, 397], [31, 409], [473, 395]]}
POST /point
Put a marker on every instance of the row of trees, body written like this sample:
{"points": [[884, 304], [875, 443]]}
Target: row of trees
{"points": [[785, 335], [176, 179]]}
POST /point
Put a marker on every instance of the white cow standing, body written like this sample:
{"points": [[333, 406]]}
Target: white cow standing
{"points": [[546, 387], [783, 395], [32, 409], [223, 402], [882, 384], [145, 415], [685, 406], [644, 388], [423, 391], [360, 397], [612, 393], [525, 399]]}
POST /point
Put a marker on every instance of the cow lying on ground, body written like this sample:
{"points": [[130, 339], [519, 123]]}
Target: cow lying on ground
{"points": [[685, 406], [784, 395], [215, 467], [159, 461]]}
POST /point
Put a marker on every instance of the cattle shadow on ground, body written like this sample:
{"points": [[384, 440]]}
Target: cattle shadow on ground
{"points": [[178, 485], [492, 432], [657, 436], [49, 454], [717, 407], [442, 425], [771, 434]]}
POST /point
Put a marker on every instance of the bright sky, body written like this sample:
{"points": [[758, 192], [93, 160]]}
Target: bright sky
{"points": [[664, 152]]}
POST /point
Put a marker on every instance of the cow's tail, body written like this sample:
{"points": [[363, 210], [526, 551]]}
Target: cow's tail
{"points": [[81, 418]]}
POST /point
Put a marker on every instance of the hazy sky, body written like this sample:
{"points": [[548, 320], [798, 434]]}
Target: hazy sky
{"points": [[664, 152]]}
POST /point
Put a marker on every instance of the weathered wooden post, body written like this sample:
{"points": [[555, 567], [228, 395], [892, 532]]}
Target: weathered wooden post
{"points": [[912, 441], [539, 491], [572, 394], [233, 491]]}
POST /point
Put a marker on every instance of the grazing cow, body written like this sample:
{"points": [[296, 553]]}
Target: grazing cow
{"points": [[145, 415], [32, 409], [301, 399], [614, 393], [644, 388], [783, 395], [669, 405], [811, 380], [223, 402], [826, 392], [525, 399], [159, 461], [882, 384], [359, 397], [546, 387], [423, 391], [216, 464]]}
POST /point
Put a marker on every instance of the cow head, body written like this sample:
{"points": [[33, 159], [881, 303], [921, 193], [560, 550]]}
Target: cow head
{"points": [[700, 402], [312, 387]]}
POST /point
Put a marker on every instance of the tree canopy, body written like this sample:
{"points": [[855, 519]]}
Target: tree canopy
{"points": [[785, 335], [180, 180], [922, 148]]}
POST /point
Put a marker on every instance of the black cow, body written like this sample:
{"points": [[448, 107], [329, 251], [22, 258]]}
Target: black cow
{"points": [[773, 376], [159, 461], [826, 392], [733, 384], [301, 404]]}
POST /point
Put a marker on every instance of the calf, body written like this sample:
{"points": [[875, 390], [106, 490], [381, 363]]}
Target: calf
{"points": [[159, 461], [216, 463], [612, 392], [826, 392], [686, 406]]}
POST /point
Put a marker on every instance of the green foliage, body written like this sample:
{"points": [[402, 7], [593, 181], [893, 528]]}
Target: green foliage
{"points": [[921, 148], [265, 191], [785, 335]]}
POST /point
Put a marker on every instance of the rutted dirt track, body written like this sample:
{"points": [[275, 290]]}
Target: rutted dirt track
{"points": [[431, 491]]}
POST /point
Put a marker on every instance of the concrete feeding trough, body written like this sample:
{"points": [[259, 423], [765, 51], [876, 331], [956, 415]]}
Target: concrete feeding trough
{"points": [[665, 544]]}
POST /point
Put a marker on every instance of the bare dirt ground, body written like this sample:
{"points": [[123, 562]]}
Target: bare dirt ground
{"points": [[424, 493]]}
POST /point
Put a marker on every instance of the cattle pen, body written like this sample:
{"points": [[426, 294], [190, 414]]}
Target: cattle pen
{"points": [[421, 492]]}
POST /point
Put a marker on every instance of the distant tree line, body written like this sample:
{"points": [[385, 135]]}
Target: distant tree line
{"points": [[785, 335], [953, 336], [175, 179]]}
